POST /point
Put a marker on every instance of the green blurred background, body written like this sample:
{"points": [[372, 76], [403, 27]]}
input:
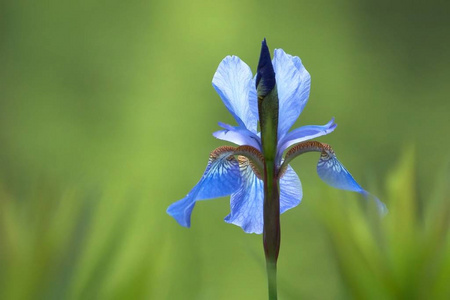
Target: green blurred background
{"points": [[106, 115]]}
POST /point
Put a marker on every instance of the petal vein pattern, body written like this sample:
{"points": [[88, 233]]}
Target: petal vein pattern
{"points": [[247, 201], [221, 178], [233, 82], [290, 190]]}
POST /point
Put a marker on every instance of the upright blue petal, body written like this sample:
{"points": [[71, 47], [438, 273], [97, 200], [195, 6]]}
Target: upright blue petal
{"points": [[253, 99], [290, 190], [233, 82], [247, 202], [221, 178], [238, 135], [304, 133], [293, 82], [332, 172]]}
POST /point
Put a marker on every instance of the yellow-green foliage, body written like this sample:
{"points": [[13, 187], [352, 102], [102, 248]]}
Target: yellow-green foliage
{"points": [[406, 254]]}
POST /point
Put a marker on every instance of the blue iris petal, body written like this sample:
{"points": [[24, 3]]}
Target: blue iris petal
{"points": [[293, 82], [233, 82], [248, 201], [221, 178], [253, 99], [335, 174], [290, 190], [238, 135], [332, 172], [304, 133]]}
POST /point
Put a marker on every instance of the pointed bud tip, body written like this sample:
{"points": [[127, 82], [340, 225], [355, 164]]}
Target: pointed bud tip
{"points": [[265, 73]]}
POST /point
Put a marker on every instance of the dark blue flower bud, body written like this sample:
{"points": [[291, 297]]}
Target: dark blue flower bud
{"points": [[265, 76]]}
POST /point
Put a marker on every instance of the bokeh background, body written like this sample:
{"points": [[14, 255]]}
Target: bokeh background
{"points": [[106, 115]]}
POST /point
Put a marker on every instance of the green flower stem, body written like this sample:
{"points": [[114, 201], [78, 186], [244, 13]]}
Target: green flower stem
{"points": [[268, 113], [268, 106], [271, 234], [272, 279]]}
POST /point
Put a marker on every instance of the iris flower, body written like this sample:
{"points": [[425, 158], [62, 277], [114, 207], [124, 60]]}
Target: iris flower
{"points": [[241, 171]]}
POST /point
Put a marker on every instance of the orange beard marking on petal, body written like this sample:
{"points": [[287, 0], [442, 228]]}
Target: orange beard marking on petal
{"points": [[219, 151], [244, 162]]}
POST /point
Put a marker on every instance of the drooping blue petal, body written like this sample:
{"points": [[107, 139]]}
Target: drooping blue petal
{"points": [[221, 178], [233, 82], [304, 133], [335, 174], [247, 202], [290, 190], [332, 172], [293, 82], [238, 135]]}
